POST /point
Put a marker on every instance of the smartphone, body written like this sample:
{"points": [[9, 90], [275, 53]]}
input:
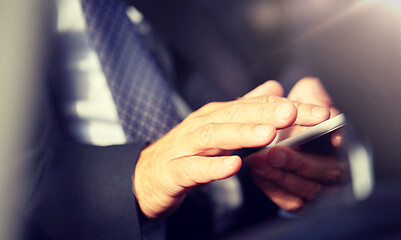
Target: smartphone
{"points": [[315, 132]]}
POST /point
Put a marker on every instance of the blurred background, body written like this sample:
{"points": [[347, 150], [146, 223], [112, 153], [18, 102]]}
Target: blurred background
{"points": [[21, 26]]}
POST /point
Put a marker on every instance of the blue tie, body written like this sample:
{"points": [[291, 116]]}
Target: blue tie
{"points": [[140, 91]]}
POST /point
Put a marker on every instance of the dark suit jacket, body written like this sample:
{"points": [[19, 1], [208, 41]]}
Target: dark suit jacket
{"points": [[77, 191]]}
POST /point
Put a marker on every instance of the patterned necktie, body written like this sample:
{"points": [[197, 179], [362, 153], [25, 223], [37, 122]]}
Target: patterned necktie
{"points": [[141, 93]]}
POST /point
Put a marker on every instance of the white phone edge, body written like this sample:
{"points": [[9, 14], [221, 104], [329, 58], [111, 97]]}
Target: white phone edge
{"points": [[314, 132]]}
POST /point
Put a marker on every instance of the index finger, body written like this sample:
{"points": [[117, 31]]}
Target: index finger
{"points": [[264, 110]]}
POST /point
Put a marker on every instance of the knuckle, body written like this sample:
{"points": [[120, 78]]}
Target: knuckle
{"points": [[187, 170], [230, 112], [333, 175], [206, 133], [281, 178], [210, 105], [191, 116], [206, 108], [261, 112]]}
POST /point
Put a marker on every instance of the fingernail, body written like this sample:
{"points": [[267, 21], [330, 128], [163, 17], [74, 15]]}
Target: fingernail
{"points": [[278, 159], [283, 111], [263, 131], [320, 112]]}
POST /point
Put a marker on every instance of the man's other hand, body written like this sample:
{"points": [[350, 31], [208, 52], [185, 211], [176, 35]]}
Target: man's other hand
{"points": [[291, 178]]}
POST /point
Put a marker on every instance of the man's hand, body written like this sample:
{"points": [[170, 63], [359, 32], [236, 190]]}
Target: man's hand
{"points": [[290, 178], [199, 150]]}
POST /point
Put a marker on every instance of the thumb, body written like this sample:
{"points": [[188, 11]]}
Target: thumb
{"points": [[269, 88], [191, 171]]}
